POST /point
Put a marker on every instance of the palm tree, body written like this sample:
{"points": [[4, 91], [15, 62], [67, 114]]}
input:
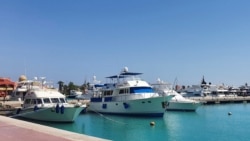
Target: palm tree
{"points": [[60, 86]]}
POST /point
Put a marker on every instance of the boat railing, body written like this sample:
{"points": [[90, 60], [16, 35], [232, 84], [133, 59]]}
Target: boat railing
{"points": [[134, 96], [132, 78]]}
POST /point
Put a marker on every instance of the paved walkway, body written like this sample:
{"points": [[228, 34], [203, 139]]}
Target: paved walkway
{"points": [[18, 130]]}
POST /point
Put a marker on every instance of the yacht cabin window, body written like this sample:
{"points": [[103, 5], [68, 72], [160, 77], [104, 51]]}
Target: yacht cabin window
{"points": [[33, 101], [123, 91], [27, 101], [108, 92], [46, 100], [62, 100], [55, 100], [141, 90], [39, 101]]}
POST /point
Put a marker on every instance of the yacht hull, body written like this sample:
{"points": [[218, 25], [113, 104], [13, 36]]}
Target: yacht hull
{"points": [[182, 106], [51, 114], [154, 106]]}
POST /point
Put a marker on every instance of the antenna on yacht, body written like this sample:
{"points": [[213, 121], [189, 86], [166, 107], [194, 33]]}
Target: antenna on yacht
{"points": [[94, 78], [125, 69], [43, 80]]}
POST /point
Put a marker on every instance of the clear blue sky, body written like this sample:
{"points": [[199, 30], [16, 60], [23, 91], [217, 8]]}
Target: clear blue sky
{"points": [[73, 40]]}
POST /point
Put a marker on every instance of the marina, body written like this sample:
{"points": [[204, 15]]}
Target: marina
{"points": [[208, 122], [99, 126], [7, 107], [126, 106]]}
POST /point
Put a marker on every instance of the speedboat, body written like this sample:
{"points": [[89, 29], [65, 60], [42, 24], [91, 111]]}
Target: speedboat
{"points": [[127, 94], [177, 102], [44, 104]]}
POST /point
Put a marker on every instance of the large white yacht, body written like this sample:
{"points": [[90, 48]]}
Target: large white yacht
{"points": [[127, 94], [41, 103], [178, 102]]}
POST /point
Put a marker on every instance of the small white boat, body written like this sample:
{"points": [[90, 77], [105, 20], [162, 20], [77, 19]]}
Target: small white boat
{"points": [[45, 104], [74, 94], [127, 94], [178, 102]]}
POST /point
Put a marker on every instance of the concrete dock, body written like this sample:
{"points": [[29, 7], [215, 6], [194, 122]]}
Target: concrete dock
{"points": [[16, 130], [222, 100]]}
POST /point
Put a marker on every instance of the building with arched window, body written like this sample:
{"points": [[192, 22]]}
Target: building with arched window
{"points": [[6, 87]]}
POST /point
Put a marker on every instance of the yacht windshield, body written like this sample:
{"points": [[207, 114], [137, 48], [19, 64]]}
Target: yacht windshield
{"points": [[55, 100], [62, 100], [46, 100], [27, 101], [38, 101], [141, 90]]}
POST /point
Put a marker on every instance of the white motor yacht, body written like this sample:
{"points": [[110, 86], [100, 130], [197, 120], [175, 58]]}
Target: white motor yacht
{"points": [[127, 94], [44, 104], [177, 102]]}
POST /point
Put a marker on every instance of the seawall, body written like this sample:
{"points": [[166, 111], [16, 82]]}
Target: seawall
{"points": [[16, 130]]}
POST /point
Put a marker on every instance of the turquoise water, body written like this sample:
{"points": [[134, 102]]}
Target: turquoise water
{"points": [[208, 123]]}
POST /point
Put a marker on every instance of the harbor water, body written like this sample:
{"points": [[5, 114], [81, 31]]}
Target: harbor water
{"points": [[208, 123]]}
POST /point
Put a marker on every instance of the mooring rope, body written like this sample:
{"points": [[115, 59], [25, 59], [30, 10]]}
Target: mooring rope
{"points": [[105, 117]]}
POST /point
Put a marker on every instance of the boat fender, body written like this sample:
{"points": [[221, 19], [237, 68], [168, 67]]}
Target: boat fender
{"points": [[18, 111], [165, 104], [62, 109], [57, 108], [35, 108], [126, 105]]}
